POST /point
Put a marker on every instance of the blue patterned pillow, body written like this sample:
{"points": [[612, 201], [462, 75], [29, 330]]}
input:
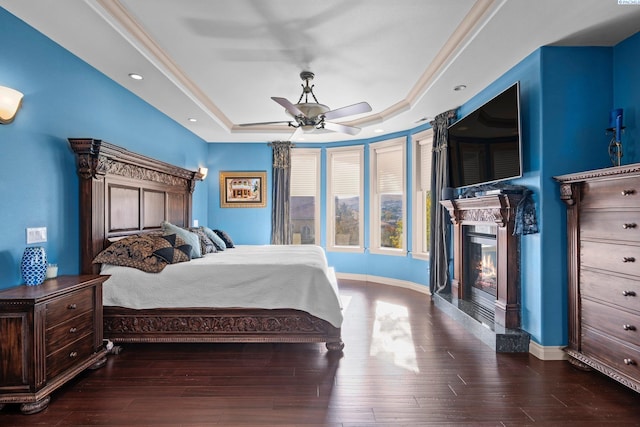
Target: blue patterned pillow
{"points": [[220, 245], [206, 245], [224, 236]]}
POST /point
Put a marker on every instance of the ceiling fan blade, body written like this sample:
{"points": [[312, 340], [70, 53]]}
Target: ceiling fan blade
{"points": [[265, 123], [360, 107], [337, 127], [291, 108], [297, 134]]}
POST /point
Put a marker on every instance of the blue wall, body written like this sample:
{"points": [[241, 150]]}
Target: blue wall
{"points": [[64, 97], [626, 94]]}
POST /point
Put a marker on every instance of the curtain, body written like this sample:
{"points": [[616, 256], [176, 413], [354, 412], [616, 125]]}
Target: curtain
{"points": [[280, 216], [440, 240]]}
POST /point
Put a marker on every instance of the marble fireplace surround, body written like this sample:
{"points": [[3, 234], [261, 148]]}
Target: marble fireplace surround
{"points": [[498, 210]]}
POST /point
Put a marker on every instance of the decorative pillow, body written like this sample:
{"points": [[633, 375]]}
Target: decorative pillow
{"points": [[172, 249], [132, 251], [220, 245], [224, 236], [189, 238], [206, 245]]}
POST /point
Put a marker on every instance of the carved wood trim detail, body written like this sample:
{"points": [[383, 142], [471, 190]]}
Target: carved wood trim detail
{"points": [[215, 324], [599, 173], [96, 159]]}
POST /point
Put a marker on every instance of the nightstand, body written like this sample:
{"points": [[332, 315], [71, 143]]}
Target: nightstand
{"points": [[48, 335]]}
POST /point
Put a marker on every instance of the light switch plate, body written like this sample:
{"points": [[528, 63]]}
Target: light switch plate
{"points": [[36, 235], [195, 222]]}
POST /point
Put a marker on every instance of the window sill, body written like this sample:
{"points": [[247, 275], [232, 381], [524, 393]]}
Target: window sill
{"points": [[345, 249], [392, 252], [421, 256]]}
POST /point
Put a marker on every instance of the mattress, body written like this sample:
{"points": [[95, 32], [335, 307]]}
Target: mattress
{"points": [[247, 276]]}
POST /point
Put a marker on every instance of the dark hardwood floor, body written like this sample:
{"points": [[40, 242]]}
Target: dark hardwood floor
{"points": [[405, 364]]}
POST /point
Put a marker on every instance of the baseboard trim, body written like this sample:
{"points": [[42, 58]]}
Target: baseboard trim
{"points": [[385, 281], [547, 352]]}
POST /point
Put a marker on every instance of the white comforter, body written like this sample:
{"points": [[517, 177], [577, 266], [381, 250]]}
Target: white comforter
{"points": [[247, 276]]}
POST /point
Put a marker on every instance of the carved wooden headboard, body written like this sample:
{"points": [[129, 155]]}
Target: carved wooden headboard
{"points": [[124, 193]]}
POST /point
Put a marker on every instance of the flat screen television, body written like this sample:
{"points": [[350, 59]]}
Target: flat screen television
{"points": [[485, 145]]}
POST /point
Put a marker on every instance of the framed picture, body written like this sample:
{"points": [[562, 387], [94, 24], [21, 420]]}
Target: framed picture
{"points": [[243, 189]]}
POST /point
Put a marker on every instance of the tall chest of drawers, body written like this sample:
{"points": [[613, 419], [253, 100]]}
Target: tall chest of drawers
{"points": [[603, 226], [48, 334]]}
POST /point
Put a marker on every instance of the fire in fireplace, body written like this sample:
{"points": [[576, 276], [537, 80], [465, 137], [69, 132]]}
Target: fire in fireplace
{"points": [[481, 265]]}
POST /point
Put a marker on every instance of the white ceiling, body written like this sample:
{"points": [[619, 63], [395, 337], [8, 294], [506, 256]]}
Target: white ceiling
{"points": [[220, 61]]}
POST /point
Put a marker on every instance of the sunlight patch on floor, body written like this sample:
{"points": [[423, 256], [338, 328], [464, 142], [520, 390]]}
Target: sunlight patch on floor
{"points": [[392, 339]]}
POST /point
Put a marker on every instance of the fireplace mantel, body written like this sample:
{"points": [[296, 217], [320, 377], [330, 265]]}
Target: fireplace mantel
{"points": [[498, 210]]}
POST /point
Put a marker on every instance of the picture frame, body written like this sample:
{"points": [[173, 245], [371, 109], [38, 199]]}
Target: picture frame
{"points": [[240, 189]]}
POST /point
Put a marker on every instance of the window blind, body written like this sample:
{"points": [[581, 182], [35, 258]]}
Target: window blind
{"points": [[389, 171], [425, 163], [304, 174], [345, 173]]}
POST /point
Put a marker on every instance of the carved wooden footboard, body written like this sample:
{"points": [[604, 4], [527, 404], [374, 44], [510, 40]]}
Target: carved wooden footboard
{"points": [[124, 193], [123, 325]]}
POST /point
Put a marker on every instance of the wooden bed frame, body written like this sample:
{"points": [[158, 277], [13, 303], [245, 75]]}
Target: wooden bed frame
{"points": [[124, 193]]}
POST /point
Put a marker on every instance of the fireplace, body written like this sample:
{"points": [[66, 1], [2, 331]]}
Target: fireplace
{"points": [[486, 256], [481, 268]]}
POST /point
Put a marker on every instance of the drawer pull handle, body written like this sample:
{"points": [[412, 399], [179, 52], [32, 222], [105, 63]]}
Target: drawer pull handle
{"points": [[73, 330], [628, 259], [628, 192], [629, 362], [629, 225], [73, 354], [628, 293], [628, 327], [72, 306]]}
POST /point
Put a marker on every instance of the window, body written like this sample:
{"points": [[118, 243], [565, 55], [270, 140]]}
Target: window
{"points": [[422, 153], [388, 201], [345, 224], [304, 202]]}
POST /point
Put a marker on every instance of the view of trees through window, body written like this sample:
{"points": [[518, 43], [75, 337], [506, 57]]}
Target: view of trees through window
{"points": [[427, 222], [391, 221], [347, 227]]}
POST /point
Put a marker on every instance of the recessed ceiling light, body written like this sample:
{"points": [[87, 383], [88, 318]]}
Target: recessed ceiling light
{"points": [[135, 76], [378, 130], [459, 88], [192, 120]]}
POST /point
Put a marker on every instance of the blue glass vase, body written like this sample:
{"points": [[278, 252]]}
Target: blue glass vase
{"points": [[34, 265]]}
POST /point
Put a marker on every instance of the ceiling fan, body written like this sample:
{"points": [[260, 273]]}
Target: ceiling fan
{"points": [[308, 116]]}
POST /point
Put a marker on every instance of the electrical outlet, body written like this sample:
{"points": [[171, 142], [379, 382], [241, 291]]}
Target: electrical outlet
{"points": [[36, 235], [195, 222]]}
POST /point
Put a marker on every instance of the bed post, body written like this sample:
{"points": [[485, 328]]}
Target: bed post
{"points": [[91, 176]]}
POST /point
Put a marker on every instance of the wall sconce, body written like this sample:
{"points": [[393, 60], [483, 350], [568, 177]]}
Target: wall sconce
{"points": [[10, 100], [202, 173]]}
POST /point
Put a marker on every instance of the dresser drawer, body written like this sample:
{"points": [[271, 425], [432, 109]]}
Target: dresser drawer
{"points": [[623, 292], [623, 357], [620, 192], [69, 306], [613, 225], [69, 355], [608, 256], [66, 332], [611, 321]]}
